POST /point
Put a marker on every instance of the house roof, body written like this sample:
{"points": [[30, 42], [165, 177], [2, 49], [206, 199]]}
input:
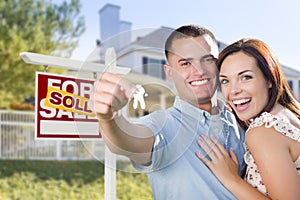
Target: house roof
{"points": [[156, 39], [290, 71]]}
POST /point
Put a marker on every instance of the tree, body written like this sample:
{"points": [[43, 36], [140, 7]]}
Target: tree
{"points": [[35, 26]]}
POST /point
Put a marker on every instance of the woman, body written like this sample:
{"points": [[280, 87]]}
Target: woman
{"points": [[253, 84]]}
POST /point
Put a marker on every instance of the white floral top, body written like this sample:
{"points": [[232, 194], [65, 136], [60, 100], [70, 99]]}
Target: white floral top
{"points": [[252, 174]]}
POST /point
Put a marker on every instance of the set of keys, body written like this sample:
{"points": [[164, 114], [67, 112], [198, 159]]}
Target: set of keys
{"points": [[138, 97], [139, 93]]}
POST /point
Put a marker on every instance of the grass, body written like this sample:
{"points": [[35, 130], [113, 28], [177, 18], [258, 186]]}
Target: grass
{"points": [[67, 180]]}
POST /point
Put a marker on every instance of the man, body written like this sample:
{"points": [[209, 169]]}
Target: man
{"points": [[164, 143]]}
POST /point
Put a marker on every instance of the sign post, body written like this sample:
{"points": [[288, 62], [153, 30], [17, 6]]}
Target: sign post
{"points": [[110, 158]]}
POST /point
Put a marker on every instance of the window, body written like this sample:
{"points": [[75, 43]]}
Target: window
{"points": [[290, 84], [154, 67]]}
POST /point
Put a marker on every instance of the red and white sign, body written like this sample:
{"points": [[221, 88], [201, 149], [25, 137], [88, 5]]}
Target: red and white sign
{"points": [[62, 110]]}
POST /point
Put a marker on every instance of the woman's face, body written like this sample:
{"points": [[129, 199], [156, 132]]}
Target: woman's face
{"points": [[243, 85]]}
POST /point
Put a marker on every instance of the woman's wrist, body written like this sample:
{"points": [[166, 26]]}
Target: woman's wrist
{"points": [[234, 183]]}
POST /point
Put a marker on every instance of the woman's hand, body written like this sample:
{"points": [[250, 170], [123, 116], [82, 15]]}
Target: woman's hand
{"points": [[223, 164]]}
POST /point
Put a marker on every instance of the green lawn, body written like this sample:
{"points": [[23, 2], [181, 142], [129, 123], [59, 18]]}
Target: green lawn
{"points": [[56, 180]]}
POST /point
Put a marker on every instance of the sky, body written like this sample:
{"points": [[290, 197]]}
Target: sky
{"points": [[275, 22]]}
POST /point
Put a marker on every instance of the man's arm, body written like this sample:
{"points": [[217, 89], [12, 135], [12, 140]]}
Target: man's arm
{"points": [[111, 94]]}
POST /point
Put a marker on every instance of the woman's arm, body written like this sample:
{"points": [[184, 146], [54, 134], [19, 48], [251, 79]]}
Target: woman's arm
{"points": [[225, 167], [271, 151]]}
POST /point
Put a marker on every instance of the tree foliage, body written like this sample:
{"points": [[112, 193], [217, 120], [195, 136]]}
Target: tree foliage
{"points": [[38, 26]]}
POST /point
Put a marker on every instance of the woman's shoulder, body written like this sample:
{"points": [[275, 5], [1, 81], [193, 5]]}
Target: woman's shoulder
{"points": [[263, 135]]}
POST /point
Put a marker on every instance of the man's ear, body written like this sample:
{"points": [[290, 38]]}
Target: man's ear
{"points": [[168, 72]]}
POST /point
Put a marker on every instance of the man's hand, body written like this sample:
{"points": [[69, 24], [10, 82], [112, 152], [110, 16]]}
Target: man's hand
{"points": [[111, 93]]}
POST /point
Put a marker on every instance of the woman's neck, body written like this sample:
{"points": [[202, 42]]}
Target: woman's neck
{"points": [[277, 108]]}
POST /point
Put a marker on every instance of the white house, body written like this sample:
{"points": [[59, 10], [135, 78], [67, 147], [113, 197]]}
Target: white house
{"points": [[143, 51]]}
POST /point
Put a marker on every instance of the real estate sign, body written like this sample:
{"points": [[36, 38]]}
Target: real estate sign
{"points": [[62, 110]]}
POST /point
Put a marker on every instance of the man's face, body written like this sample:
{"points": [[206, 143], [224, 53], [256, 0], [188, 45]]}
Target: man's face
{"points": [[193, 69]]}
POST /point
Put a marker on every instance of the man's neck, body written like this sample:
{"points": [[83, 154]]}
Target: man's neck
{"points": [[208, 108]]}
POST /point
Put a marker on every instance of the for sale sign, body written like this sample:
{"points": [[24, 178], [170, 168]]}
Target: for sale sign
{"points": [[62, 110]]}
